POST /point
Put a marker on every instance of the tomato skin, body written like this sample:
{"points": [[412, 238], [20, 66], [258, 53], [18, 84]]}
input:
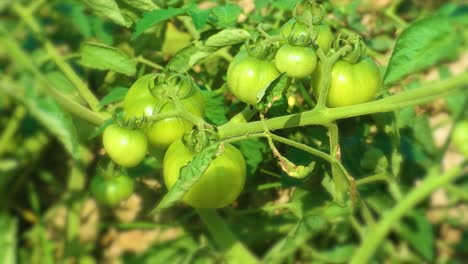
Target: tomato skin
{"points": [[350, 84], [140, 89], [221, 183], [126, 147], [296, 61], [460, 137], [111, 191], [247, 75]]}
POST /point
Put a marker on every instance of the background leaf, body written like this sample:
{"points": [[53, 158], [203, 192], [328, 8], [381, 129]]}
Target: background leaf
{"points": [[110, 10], [103, 57], [154, 17], [421, 45]]}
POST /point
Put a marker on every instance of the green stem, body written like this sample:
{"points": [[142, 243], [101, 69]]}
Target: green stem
{"points": [[81, 86], [141, 59], [327, 64], [11, 128], [338, 176], [234, 250], [369, 245], [328, 115]]}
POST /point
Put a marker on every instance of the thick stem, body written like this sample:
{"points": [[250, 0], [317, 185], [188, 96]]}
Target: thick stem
{"points": [[234, 250], [328, 115], [371, 242]]}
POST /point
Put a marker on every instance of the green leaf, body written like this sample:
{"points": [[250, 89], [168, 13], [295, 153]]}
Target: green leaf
{"points": [[199, 17], [253, 151], [417, 230], [215, 109], [155, 17], [189, 175], [52, 117], [110, 10], [226, 15], [8, 241], [116, 95], [187, 57], [272, 92], [227, 37], [421, 45], [103, 57], [145, 5]]}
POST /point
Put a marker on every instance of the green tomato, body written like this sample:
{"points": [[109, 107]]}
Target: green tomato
{"points": [[325, 37], [460, 137], [296, 61], [221, 183], [140, 89], [247, 75], [111, 191], [126, 147], [163, 132], [350, 84]]}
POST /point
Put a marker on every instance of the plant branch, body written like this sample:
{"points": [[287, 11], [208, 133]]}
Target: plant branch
{"points": [[328, 115], [433, 181]]}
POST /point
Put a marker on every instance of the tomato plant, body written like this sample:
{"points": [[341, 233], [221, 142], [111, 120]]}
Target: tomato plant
{"points": [[219, 185], [126, 147], [350, 83], [321, 127], [111, 190], [247, 75]]}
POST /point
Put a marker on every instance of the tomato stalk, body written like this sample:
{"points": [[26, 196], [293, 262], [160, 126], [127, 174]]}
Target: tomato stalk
{"points": [[325, 115]]}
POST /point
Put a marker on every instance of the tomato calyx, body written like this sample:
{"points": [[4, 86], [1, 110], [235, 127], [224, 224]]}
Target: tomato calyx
{"points": [[199, 138], [261, 46], [298, 33], [309, 12], [171, 84], [356, 44]]}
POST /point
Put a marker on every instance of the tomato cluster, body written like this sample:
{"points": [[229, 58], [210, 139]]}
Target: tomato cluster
{"points": [[153, 122], [351, 81]]}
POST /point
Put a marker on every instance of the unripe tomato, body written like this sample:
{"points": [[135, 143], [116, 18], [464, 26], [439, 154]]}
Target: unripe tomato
{"points": [[325, 37], [350, 84], [140, 103], [460, 137], [162, 133], [126, 147], [221, 183], [296, 61], [247, 75], [111, 191]]}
